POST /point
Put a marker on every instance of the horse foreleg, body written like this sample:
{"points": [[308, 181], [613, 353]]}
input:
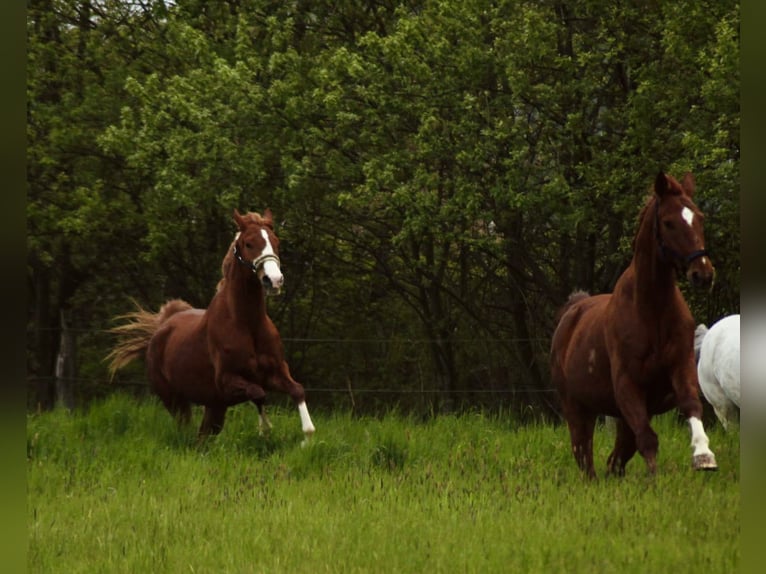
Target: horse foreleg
{"points": [[284, 381], [306, 424], [264, 424], [702, 457], [685, 384], [236, 388], [212, 422], [624, 449], [632, 404]]}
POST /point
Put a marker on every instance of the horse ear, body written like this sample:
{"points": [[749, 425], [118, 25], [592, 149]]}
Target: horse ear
{"points": [[688, 184], [268, 218], [661, 184], [239, 220]]}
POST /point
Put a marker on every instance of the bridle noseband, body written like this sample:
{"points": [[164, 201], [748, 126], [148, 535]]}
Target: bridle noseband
{"points": [[665, 250], [256, 263]]}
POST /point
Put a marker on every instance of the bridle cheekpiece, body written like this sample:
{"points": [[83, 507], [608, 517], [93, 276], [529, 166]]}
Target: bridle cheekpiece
{"points": [[256, 263]]}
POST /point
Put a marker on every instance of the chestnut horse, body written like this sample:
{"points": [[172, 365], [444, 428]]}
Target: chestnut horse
{"points": [[630, 354], [229, 353]]}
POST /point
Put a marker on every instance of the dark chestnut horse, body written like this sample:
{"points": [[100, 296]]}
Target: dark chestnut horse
{"points": [[228, 354], [630, 354]]}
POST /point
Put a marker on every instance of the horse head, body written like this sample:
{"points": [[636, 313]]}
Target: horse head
{"points": [[678, 228], [257, 247]]}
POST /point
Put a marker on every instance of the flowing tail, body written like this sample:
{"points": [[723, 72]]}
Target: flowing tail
{"points": [[135, 334]]}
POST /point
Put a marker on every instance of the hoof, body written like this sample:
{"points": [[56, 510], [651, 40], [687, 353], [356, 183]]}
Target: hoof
{"points": [[307, 439], [704, 462]]}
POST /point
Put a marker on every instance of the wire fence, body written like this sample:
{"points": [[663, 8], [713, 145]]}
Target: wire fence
{"points": [[372, 372], [344, 340], [310, 389]]}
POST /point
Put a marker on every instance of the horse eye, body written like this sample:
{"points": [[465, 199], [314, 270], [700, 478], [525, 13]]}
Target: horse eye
{"points": [[249, 245], [668, 224]]}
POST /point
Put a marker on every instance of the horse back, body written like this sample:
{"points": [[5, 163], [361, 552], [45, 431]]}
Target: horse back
{"points": [[720, 357]]}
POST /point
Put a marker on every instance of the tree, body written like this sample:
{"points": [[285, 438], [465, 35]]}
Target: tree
{"points": [[443, 173], [79, 200]]}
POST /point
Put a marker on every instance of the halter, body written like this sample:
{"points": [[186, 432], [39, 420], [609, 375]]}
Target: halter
{"points": [[258, 262], [665, 250]]}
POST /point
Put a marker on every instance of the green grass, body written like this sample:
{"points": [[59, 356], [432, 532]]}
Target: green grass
{"points": [[121, 489]]}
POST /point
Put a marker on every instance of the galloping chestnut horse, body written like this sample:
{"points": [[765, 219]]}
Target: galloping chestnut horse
{"points": [[228, 354], [630, 354]]}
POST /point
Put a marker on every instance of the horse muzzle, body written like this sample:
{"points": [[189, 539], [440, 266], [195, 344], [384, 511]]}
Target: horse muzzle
{"points": [[271, 278], [272, 286], [700, 271], [266, 267]]}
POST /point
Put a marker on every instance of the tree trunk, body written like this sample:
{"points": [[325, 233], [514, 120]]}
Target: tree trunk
{"points": [[42, 352], [66, 366]]}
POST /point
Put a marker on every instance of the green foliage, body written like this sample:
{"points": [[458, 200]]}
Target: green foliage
{"points": [[444, 171], [119, 489]]}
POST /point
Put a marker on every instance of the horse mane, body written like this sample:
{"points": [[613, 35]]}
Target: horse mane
{"points": [[650, 198], [674, 188]]}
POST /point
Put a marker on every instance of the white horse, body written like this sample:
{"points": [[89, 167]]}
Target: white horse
{"points": [[717, 351]]}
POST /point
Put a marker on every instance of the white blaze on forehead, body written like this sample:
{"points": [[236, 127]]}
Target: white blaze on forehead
{"points": [[271, 267], [268, 249], [688, 215]]}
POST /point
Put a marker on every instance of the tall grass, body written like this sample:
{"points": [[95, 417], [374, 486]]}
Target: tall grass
{"points": [[121, 489]]}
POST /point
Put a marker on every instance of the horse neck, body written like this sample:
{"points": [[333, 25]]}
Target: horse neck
{"points": [[245, 294], [655, 279]]}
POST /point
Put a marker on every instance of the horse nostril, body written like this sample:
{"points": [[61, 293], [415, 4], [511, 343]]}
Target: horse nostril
{"points": [[696, 277], [700, 279], [266, 281]]}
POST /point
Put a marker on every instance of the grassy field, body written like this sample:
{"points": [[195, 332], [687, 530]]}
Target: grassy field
{"points": [[121, 489]]}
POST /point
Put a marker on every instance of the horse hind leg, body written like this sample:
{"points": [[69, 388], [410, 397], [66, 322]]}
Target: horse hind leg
{"points": [[182, 412], [624, 449], [179, 408], [727, 413], [581, 425]]}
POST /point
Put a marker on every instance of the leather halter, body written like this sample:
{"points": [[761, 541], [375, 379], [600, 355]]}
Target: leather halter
{"points": [[665, 250], [256, 263]]}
